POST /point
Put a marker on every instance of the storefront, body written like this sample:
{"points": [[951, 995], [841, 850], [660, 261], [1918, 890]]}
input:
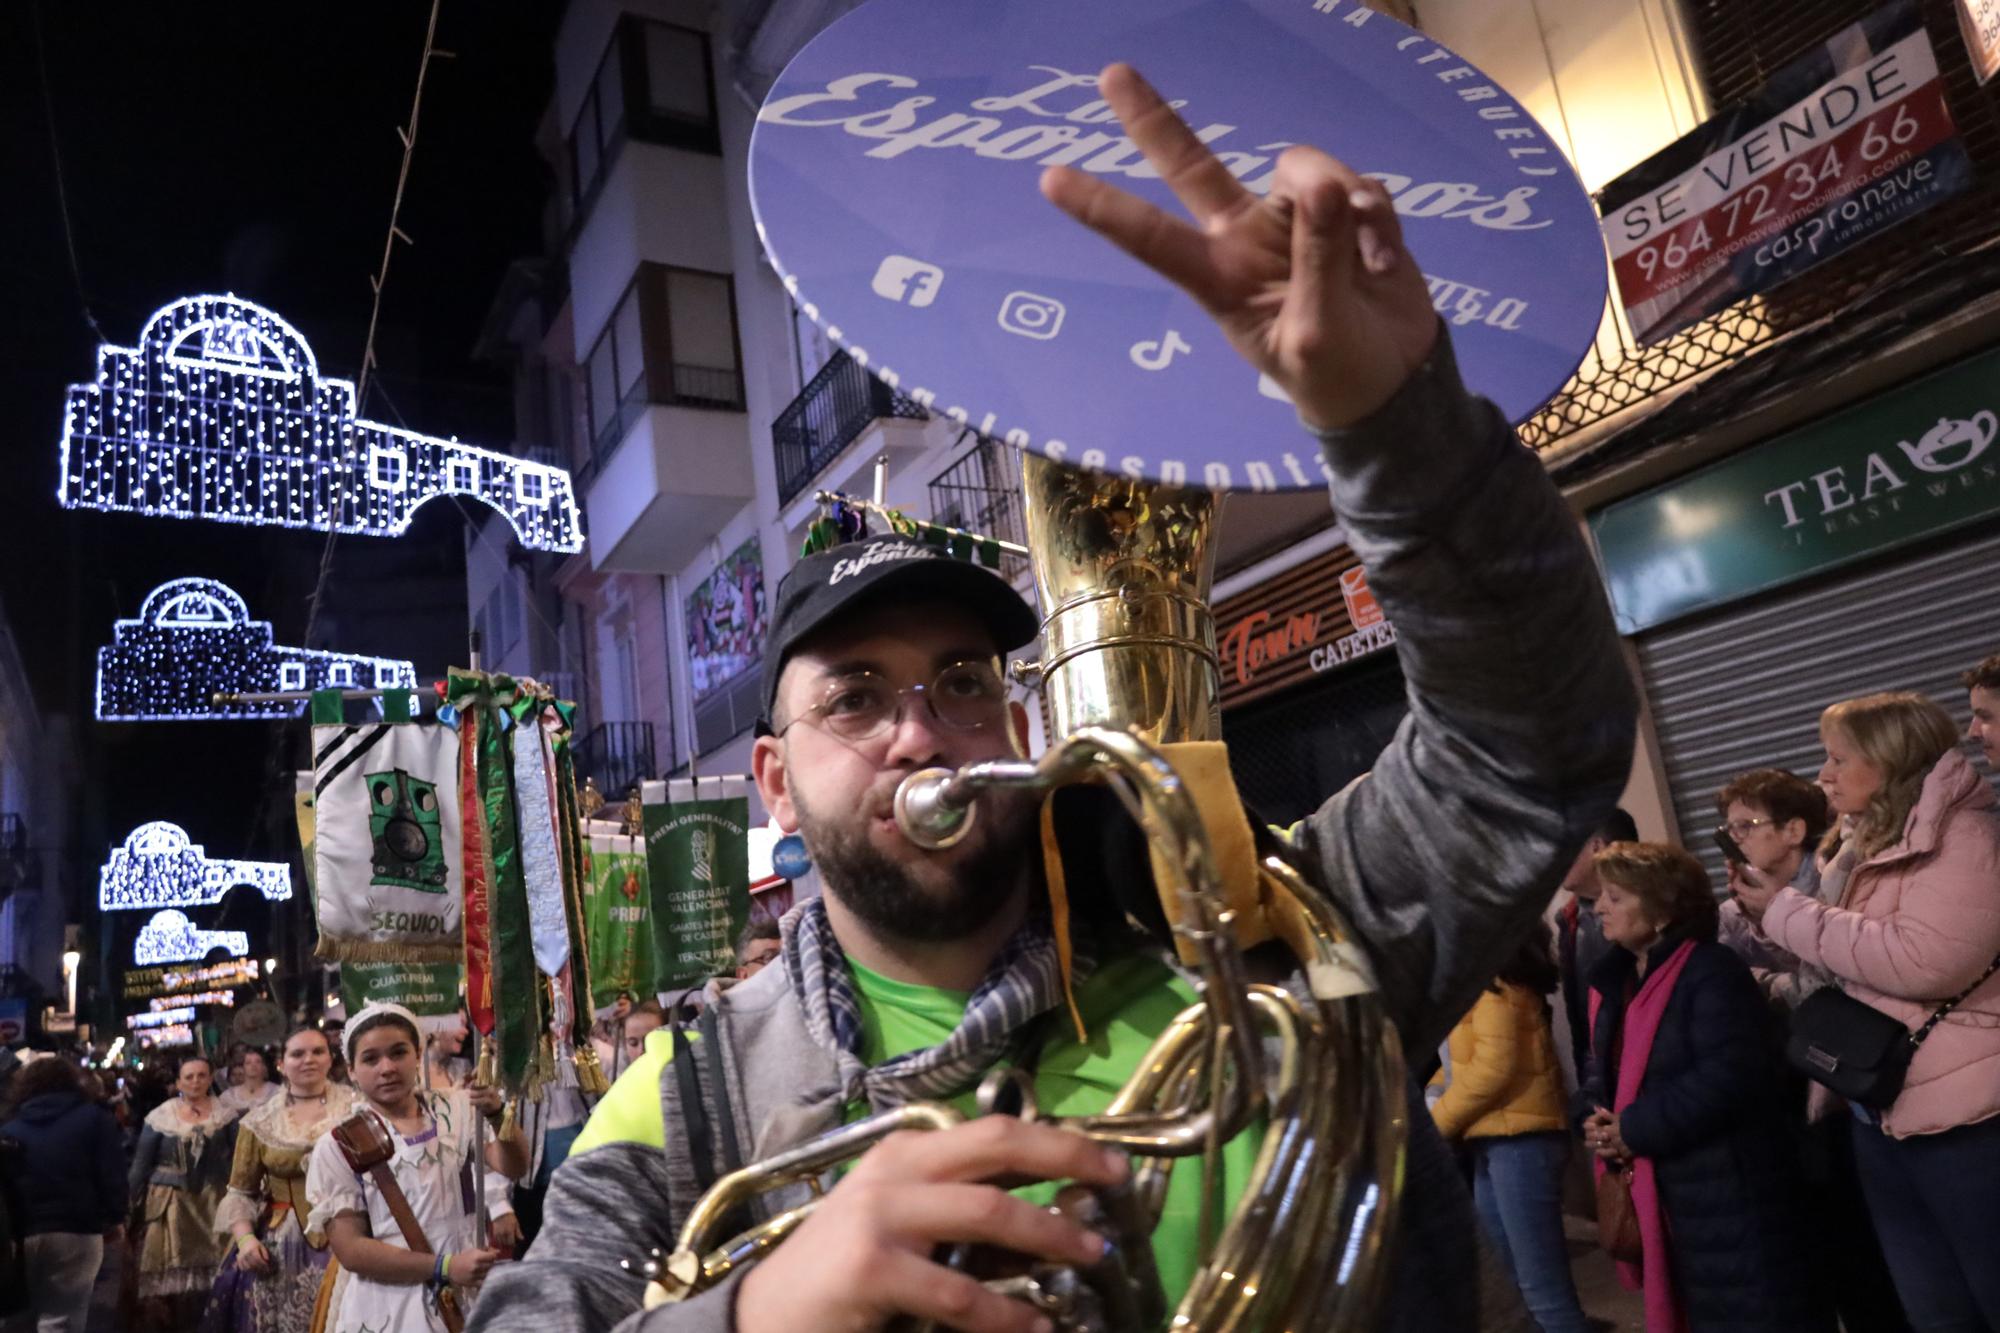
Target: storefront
{"points": [[1858, 553], [1311, 691]]}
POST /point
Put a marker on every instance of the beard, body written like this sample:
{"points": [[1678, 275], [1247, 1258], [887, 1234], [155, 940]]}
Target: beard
{"points": [[929, 901]]}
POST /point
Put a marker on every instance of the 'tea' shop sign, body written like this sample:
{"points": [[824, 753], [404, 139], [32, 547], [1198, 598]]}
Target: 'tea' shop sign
{"points": [[893, 173], [1922, 459]]}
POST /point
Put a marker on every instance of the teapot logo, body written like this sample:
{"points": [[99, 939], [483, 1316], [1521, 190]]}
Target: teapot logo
{"points": [[1951, 444]]}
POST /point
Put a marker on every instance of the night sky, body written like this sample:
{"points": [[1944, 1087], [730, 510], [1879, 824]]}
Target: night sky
{"points": [[247, 148]]}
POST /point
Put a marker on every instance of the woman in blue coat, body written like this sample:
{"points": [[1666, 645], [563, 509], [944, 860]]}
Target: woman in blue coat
{"points": [[1683, 1085]]}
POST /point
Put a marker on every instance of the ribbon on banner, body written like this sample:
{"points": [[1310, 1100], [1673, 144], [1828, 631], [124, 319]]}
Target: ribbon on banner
{"points": [[465, 690]]}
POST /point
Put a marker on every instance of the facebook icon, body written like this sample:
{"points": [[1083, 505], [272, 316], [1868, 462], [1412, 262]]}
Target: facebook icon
{"points": [[909, 281]]}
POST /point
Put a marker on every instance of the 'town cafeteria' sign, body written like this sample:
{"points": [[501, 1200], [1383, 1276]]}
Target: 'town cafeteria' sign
{"points": [[1315, 618]]}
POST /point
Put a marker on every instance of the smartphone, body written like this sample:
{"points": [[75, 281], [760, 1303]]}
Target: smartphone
{"points": [[1727, 846]]}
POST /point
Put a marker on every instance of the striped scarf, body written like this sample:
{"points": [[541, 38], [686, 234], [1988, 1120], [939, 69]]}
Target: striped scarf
{"points": [[1023, 982]]}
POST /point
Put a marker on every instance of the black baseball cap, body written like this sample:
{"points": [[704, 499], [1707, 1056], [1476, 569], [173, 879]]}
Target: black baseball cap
{"points": [[840, 581]]}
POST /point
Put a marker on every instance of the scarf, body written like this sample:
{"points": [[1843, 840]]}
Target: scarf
{"points": [[1635, 1051], [1023, 982]]}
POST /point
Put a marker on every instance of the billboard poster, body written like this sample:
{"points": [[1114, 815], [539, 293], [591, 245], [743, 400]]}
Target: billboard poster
{"points": [[726, 617]]}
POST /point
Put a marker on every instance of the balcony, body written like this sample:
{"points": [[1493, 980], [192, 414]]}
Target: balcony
{"points": [[618, 756], [981, 493], [17, 863], [833, 411]]}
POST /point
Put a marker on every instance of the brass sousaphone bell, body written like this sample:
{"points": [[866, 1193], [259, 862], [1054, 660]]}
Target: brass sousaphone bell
{"points": [[1129, 670]]}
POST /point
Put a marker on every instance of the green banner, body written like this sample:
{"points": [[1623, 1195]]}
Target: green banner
{"points": [[428, 990], [618, 920], [698, 862], [1910, 463]]}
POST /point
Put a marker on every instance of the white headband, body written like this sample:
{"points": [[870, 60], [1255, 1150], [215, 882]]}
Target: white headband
{"points": [[373, 1011]]}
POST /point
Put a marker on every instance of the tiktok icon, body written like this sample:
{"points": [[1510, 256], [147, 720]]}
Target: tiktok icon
{"points": [[1158, 353]]}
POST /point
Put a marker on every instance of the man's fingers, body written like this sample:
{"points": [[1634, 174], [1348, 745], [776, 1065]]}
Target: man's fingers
{"points": [[1141, 229], [1323, 254], [1377, 228], [985, 1215], [915, 1286], [1197, 178], [992, 1148]]}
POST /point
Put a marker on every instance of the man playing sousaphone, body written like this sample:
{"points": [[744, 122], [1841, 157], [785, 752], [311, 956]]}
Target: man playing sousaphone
{"points": [[917, 971]]}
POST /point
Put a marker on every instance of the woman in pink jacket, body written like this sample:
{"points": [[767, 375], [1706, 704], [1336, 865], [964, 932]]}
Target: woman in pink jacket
{"points": [[1912, 919]]}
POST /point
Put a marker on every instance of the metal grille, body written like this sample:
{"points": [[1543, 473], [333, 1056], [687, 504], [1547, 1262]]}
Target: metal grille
{"points": [[1739, 44], [618, 755], [1744, 689], [981, 494], [1292, 751]]}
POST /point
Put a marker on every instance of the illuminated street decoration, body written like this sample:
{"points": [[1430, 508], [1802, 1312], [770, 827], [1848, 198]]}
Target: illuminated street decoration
{"points": [[220, 413], [171, 938], [194, 638], [141, 983], [226, 998], [159, 1018], [157, 866]]}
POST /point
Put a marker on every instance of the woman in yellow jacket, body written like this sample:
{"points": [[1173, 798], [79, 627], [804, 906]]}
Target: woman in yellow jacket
{"points": [[1504, 1103]]}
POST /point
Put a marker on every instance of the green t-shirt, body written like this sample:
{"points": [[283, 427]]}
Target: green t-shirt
{"points": [[1125, 1005]]}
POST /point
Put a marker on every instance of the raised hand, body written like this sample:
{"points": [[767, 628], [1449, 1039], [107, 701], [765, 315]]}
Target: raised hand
{"points": [[1311, 282]]}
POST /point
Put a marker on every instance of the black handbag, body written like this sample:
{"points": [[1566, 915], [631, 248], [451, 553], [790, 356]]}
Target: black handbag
{"points": [[1857, 1050]]}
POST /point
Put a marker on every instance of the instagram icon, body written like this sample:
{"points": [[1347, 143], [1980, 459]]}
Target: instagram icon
{"points": [[1032, 316]]}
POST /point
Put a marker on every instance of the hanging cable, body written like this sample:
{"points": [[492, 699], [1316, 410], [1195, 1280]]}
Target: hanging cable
{"points": [[62, 190]]}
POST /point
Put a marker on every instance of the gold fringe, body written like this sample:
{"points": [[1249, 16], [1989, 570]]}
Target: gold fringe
{"points": [[590, 1072], [483, 1075], [507, 1119], [344, 949]]}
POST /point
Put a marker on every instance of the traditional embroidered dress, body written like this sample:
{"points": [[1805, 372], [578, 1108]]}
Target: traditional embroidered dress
{"points": [[438, 1173], [181, 1168], [243, 1101], [267, 1188]]}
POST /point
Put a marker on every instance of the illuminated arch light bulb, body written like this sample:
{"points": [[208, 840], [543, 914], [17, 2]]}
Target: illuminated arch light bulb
{"points": [[194, 638], [170, 937], [220, 413], [158, 866]]}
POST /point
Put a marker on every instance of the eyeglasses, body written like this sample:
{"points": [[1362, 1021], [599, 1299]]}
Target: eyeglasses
{"points": [[966, 696], [1741, 828]]}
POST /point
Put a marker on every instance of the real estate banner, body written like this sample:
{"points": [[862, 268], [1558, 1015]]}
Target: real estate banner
{"points": [[698, 867], [1844, 142]]}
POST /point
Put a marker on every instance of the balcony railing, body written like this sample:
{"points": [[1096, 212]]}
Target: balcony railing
{"points": [[981, 493], [618, 755], [828, 415]]}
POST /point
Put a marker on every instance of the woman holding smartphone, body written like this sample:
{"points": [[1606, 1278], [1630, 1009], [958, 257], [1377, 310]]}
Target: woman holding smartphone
{"points": [[1914, 921]]}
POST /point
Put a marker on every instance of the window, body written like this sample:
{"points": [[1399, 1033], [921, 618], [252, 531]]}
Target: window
{"points": [[386, 468], [530, 486], [291, 676], [671, 340], [656, 83], [342, 674]]}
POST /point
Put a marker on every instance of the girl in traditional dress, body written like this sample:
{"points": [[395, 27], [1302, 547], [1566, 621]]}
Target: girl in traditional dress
{"points": [[178, 1173], [271, 1278], [387, 1287], [250, 1082]]}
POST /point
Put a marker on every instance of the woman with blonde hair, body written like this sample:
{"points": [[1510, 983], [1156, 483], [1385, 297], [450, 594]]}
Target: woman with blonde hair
{"points": [[1911, 927]]}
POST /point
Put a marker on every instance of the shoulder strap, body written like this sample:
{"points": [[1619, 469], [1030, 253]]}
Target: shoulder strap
{"points": [[694, 1113], [1917, 1037], [725, 1113]]}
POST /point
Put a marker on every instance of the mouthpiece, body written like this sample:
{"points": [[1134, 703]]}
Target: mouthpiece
{"points": [[930, 812]]}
